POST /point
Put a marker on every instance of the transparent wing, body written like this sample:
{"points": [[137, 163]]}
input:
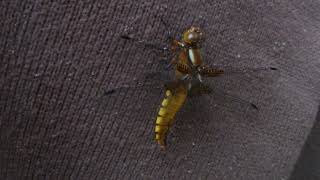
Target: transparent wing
{"points": [[220, 96], [114, 98], [149, 80], [163, 50], [148, 44], [214, 71], [216, 91]]}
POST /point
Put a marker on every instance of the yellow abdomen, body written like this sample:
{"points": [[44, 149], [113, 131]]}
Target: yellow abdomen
{"points": [[169, 107]]}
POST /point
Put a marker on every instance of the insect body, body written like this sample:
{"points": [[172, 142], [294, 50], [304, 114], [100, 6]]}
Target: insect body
{"points": [[188, 80]]}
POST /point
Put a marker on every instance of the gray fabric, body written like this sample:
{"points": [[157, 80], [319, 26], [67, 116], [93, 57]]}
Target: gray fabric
{"points": [[58, 57], [308, 165]]}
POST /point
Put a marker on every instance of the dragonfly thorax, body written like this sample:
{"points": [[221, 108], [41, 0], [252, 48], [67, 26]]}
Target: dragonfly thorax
{"points": [[194, 57]]}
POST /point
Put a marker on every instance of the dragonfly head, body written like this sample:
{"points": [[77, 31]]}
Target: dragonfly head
{"points": [[192, 36]]}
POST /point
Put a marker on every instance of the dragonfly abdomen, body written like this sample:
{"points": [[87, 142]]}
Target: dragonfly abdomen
{"points": [[169, 107]]}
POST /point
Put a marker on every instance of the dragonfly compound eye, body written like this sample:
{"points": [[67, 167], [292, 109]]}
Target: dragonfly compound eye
{"points": [[192, 36]]}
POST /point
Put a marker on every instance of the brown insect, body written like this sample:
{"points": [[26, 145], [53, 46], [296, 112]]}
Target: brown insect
{"points": [[188, 80]]}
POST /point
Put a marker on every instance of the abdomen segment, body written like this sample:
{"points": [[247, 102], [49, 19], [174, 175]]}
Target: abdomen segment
{"points": [[169, 107]]}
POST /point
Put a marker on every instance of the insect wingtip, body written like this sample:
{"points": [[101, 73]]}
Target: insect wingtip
{"points": [[254, 106], [109, 92], [125, 37]]}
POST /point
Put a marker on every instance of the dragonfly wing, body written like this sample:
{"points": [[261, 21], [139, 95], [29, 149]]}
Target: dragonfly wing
{"points": [[149, 80], [237, 71], [219, 93], [198, 89]]}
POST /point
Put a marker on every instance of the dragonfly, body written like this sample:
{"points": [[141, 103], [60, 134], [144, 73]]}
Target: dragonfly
{"points": [[188, 81]]}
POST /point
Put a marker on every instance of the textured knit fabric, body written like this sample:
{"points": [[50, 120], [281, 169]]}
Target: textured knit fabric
{"points": [[58, 58]]}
